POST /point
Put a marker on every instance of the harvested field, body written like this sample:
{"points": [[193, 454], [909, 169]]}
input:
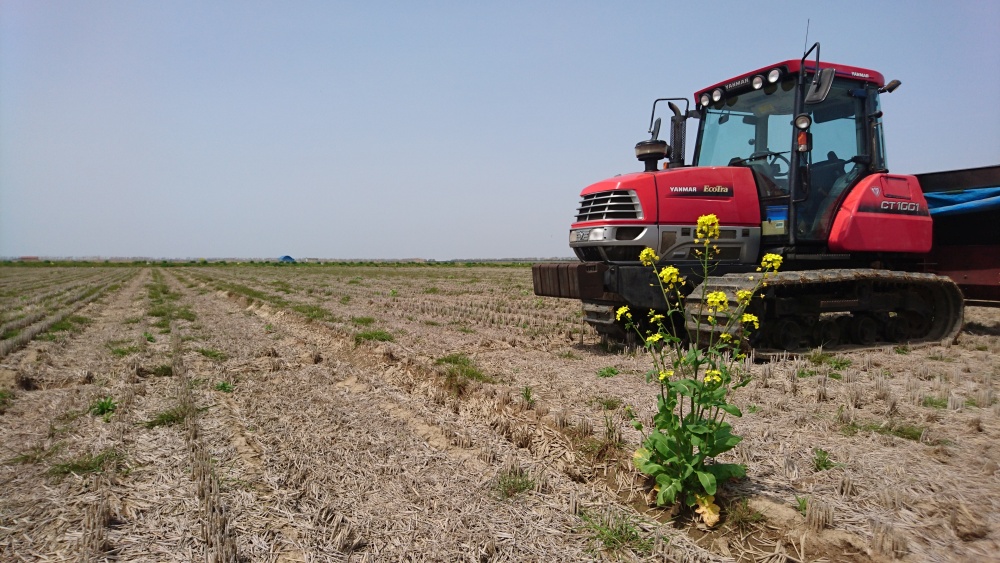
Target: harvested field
{"points": [[445, 413]]}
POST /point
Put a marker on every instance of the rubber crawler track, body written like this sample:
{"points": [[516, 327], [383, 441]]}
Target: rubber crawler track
{"points": [[841, 309]]}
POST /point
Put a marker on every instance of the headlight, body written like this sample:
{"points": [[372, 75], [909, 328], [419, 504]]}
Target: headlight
{"points": [[716, 94], [803, 121], [774, 75], [705, 99], [757, 82]]}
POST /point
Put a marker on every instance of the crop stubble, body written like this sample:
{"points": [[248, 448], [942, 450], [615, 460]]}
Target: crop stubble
{"points": [[325, 448]]}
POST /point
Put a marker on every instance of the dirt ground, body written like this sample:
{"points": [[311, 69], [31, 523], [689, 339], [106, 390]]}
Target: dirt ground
{"points": [[445, 413]]}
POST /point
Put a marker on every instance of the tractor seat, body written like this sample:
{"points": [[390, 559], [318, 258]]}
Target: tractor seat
{"points": [[825, 173]]}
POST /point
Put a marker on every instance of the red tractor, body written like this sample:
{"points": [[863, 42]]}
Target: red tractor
{"points": [[791, 159]]}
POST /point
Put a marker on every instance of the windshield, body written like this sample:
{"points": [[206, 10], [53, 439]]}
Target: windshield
{"points": [[754, 129], [758, 121]]}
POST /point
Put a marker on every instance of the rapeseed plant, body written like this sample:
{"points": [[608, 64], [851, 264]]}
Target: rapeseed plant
{"points": [[695, 376]]}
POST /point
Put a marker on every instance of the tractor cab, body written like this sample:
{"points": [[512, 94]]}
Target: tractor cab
{"points": [[805, 147]]}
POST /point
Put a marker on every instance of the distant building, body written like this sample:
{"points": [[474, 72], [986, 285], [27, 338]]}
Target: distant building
{"points": [[287, 259], [28, 259]]}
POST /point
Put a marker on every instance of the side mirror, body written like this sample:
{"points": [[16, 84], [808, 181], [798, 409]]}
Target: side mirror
{"points": [[890, 87], [656, 130], [820, 87]]}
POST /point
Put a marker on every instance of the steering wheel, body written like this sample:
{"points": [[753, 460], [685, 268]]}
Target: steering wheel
{"points": [[772, 159]]}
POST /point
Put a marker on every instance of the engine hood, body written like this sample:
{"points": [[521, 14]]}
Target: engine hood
{"points": [[678, 196]]}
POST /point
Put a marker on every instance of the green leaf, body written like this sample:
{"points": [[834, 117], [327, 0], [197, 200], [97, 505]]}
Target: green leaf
{"points": [[722, 441], [688, 471], [669, 487], [726, 471], [708, 482], [664, 420], [727, 443], [652, 469], [718, 396], [731, 409], [698, 429], [694, 358], [684, 387], [659, 444]]}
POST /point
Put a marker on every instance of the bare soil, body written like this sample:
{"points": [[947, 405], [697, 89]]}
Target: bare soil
{"points": [[267, 421]]}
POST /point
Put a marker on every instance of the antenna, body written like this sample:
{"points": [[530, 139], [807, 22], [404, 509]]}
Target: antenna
{"points": [[806, 44]]}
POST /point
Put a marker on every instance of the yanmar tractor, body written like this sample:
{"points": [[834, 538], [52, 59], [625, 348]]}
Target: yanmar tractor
{"points": [[791, 159]]}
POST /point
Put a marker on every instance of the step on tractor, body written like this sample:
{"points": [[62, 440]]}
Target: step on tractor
{"points": [[791, 159]]}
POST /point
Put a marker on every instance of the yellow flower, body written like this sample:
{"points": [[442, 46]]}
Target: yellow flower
{"points": [[717, 301], [711, 320], [771, 262], [670, 276], [725, 337], [743, 296], [648, 257], [655, 318], [708, 227], [623, 310], [654, 337], [750, 319], [666, 374], [713, 376]]}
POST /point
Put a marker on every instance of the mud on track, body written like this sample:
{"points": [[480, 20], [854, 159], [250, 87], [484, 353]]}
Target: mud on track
{"points": [[300, 441]]}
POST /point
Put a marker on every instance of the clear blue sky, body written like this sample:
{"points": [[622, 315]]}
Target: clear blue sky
{"points": [[438, 129]]}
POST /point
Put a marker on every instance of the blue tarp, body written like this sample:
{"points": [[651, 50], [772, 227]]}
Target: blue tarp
{"points": [[944, 204]]}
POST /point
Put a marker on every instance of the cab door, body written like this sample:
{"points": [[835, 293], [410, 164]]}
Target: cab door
{"points": [[839, 137]]}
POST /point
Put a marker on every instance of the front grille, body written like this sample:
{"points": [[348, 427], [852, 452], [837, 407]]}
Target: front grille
{"points": [[616, 204]]}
